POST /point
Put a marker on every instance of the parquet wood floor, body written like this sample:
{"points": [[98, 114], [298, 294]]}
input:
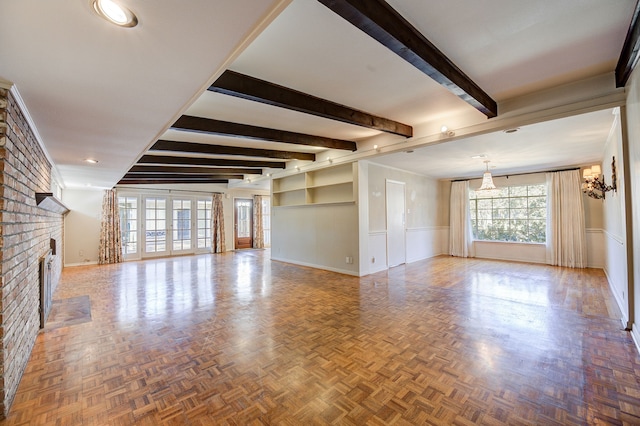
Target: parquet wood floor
{"points": [[236, 339]]}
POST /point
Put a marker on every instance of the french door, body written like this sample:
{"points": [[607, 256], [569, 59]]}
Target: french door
{"points": [[243, 224], [129, 207], [163, 225], [182, 232], [155, 227]]}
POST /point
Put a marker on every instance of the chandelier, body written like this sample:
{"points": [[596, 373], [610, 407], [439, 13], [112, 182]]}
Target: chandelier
{"points": [[487, 188]]}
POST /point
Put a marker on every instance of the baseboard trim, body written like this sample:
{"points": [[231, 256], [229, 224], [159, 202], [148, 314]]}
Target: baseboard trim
{"points": [[624, 320], [312, 265], [70, 265], [636, 337]]}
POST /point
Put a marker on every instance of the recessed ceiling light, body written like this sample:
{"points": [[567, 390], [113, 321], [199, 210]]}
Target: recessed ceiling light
{"points": [[91, 161], [409, 151], [515, 129], [479, 156], [114, 13]]}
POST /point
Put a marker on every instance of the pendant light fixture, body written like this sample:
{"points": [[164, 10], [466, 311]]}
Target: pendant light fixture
{"points": [[487, 189]]}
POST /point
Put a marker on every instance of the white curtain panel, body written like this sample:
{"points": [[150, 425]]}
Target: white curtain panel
{"points": [[566, 234], [460, 232]]}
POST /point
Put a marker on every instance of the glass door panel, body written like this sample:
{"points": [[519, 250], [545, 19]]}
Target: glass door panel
{"points": [[155, 226], [181, 234], [128, 207], [204, 224]]}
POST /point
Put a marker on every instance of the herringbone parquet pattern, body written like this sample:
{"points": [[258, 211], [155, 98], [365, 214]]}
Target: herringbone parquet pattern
{"points": [[236, 339]]}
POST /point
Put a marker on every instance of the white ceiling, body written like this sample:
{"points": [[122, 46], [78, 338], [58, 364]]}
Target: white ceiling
{"points": [[571, 141], [96, 90]]}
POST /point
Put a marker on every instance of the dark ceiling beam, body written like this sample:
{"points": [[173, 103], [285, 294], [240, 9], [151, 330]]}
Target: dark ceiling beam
{"points": [[630, 51], [201, 148], [193, 170], [246, 87], [387, 26], [198, 161], [224, 128], [167, 181], [134, 175]]}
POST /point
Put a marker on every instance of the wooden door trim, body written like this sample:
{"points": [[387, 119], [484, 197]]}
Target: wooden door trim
{"points": [[235, 223]]}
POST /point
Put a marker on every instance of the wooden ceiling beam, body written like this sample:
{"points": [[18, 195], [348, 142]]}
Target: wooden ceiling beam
{"points": [[630, 50], [383, 23], [193, 170], [198, 161], [246, 87], [201, 148], [210, 126], [168, 181], [134, 175]]}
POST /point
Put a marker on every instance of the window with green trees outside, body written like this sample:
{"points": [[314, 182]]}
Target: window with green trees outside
{"points": [[515, 213]]}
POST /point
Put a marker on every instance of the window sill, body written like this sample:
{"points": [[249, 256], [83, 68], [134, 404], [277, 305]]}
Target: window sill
{"points": [[508, 242]]}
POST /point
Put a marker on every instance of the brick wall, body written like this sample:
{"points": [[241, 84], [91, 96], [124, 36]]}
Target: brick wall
{"points": [[25, 230]]}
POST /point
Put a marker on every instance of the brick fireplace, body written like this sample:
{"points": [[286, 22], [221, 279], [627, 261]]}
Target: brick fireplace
{"points": [[26, 231]]}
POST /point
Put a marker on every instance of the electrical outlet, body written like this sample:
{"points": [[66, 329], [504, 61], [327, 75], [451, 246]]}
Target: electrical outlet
{"points": [[349, 260], [373, 260]]}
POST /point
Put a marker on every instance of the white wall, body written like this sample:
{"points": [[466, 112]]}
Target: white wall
{"points": [[321, 236], [82, 226], [633, 128], [614, 228], [425, 235]]}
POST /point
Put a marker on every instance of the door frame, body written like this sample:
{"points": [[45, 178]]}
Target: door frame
{"points": [[235, 221]]}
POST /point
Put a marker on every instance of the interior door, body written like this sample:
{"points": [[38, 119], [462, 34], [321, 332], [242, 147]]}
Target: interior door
{"points": [[243, 224], [395, 206]]}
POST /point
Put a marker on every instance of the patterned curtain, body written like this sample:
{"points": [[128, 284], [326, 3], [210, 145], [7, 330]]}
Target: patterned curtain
{"points": [[217, 225], [258, 231], [110, 236], [566, 234]]}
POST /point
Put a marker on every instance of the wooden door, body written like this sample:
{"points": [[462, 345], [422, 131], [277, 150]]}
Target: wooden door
{"points": [[243, 223]]}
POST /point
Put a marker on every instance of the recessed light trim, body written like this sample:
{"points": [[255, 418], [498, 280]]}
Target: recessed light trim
{"points": [[91, 161], [115, 13], [513, 130]]}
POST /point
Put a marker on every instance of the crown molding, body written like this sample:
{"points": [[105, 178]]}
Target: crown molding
{"points": [[55, 174]]}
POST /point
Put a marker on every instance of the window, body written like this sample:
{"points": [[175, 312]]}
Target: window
{"points": [[516, 213], [204, 223]]}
